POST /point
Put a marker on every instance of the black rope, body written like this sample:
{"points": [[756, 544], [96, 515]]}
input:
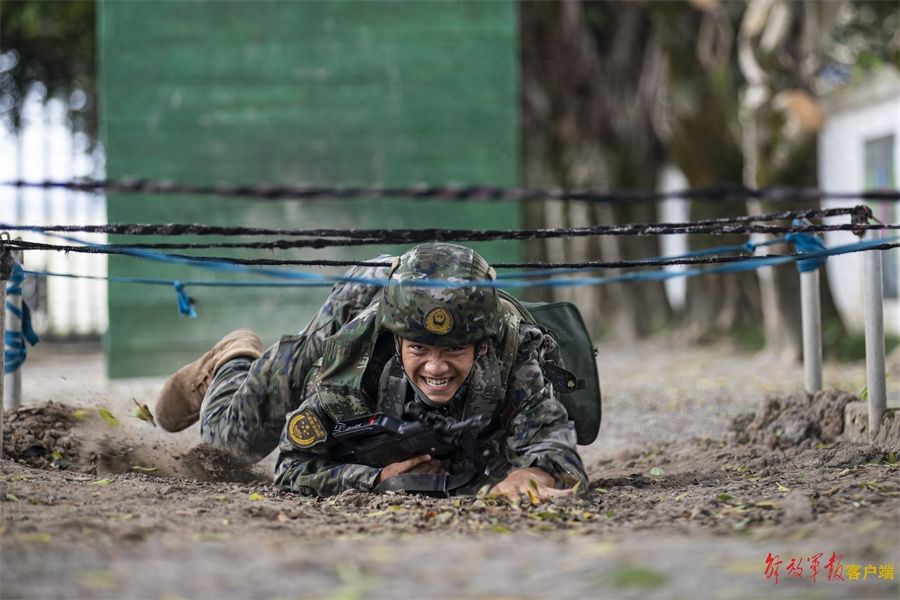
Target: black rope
{"points": [[620, 264], [860, 213], [438, 235], [267, 191]]}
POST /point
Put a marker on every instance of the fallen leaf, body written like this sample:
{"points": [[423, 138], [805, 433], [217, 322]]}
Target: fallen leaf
{"points": [[256, 496], [601, 548], [501, 529], [98, 580], [445, 517], [11, 497], [533, 496], [107, 416], [657, 472], [100, 482], [680, 497], [35, 538], [548, 516], [724, 497], [142, 412], [783, 489], [223, 499], [80, 413], [637, 577], [141, 469], [210, 537]]}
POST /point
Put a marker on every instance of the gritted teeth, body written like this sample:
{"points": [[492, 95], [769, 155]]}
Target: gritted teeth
{"points": [[437, 382]]}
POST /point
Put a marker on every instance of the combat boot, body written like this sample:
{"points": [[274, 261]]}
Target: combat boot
{"points": [[178, 404]]}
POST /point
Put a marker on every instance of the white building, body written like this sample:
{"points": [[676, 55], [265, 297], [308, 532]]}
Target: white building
{"points": [[859, 149]]}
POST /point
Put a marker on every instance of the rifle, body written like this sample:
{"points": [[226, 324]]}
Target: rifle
{"points": [[378, 440]]}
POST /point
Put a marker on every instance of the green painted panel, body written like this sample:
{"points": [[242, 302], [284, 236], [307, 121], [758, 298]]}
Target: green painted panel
{"points": [[239, 91]]}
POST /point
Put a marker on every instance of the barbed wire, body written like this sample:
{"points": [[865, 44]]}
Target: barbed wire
{"points": [[451, 192], [415, 236], [860, 214]]}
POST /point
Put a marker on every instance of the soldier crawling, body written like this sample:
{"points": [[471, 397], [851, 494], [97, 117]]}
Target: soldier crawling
{"points": [[462, 351]]}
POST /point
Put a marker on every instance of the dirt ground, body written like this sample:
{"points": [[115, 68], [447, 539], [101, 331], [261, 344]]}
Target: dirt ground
{"points": [[708, 461]]}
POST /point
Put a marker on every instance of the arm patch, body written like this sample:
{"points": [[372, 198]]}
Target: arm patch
{"points": [[305, 429]]}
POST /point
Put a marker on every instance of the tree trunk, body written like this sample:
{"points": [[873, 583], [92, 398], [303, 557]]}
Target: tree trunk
{"points": [[581, 132], [780, 50]]}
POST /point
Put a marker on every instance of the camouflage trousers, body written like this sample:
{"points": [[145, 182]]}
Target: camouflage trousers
{"points": [[244, 408]]}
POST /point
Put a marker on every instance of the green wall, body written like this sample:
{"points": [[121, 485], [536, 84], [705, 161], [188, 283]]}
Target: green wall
{"points": [[240, 91]]}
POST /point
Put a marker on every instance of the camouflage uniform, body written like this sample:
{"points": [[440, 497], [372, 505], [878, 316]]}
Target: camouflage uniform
{"points": [[344, 365]]}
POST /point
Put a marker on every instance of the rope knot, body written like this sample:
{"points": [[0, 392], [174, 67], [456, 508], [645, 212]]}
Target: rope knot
{"points": [[185, 302]]}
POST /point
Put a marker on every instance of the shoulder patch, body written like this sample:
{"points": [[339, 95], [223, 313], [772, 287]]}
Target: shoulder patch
{"points": [[305, 430]]}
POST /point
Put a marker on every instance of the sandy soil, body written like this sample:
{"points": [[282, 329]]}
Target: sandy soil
{"points": [[708, 460]]}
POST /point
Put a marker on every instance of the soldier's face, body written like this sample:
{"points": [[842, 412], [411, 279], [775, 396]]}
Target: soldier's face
{"points": [[438, 371]]}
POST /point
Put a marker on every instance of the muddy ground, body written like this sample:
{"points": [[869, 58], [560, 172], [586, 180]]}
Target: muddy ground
{"points": [[708, 460]]}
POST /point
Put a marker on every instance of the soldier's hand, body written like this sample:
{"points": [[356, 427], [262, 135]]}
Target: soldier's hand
{"points": [[520, 481], [432, 467], [404, 466]]}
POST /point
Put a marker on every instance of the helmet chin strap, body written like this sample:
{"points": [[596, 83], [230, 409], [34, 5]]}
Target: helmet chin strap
{"points": [[417, 391]]}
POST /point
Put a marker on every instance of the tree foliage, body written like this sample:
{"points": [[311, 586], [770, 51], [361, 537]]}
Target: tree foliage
{"points": [[49, 46], [615, 89]]}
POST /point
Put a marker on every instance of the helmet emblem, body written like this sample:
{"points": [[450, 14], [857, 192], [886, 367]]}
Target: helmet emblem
{"points": [[439, 321]]}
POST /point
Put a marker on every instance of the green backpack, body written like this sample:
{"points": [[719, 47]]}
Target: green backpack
{"points": [[573, 368]]}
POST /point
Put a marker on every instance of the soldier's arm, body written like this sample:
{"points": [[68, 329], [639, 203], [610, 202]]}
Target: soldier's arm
{"points": [[305, 463], [540, 434]]}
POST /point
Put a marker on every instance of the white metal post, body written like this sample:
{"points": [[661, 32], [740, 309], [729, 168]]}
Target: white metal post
{"points": [[6, 263], [12, 382], [873, 294], [811, 315]]}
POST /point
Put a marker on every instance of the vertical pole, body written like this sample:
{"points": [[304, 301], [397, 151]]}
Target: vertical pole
{"points": [[811, 315], [6, 264], [873, 294], [12, 384]]}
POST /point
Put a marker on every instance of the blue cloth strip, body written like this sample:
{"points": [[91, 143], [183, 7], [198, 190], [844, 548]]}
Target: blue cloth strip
{"points": [[806, 243], [314, 280], [747, 265], [746, 247], [15, 349], [185, 302]]}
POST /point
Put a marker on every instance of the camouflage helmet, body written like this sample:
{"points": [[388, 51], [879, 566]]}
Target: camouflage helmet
{"points": [[440, 316]]}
